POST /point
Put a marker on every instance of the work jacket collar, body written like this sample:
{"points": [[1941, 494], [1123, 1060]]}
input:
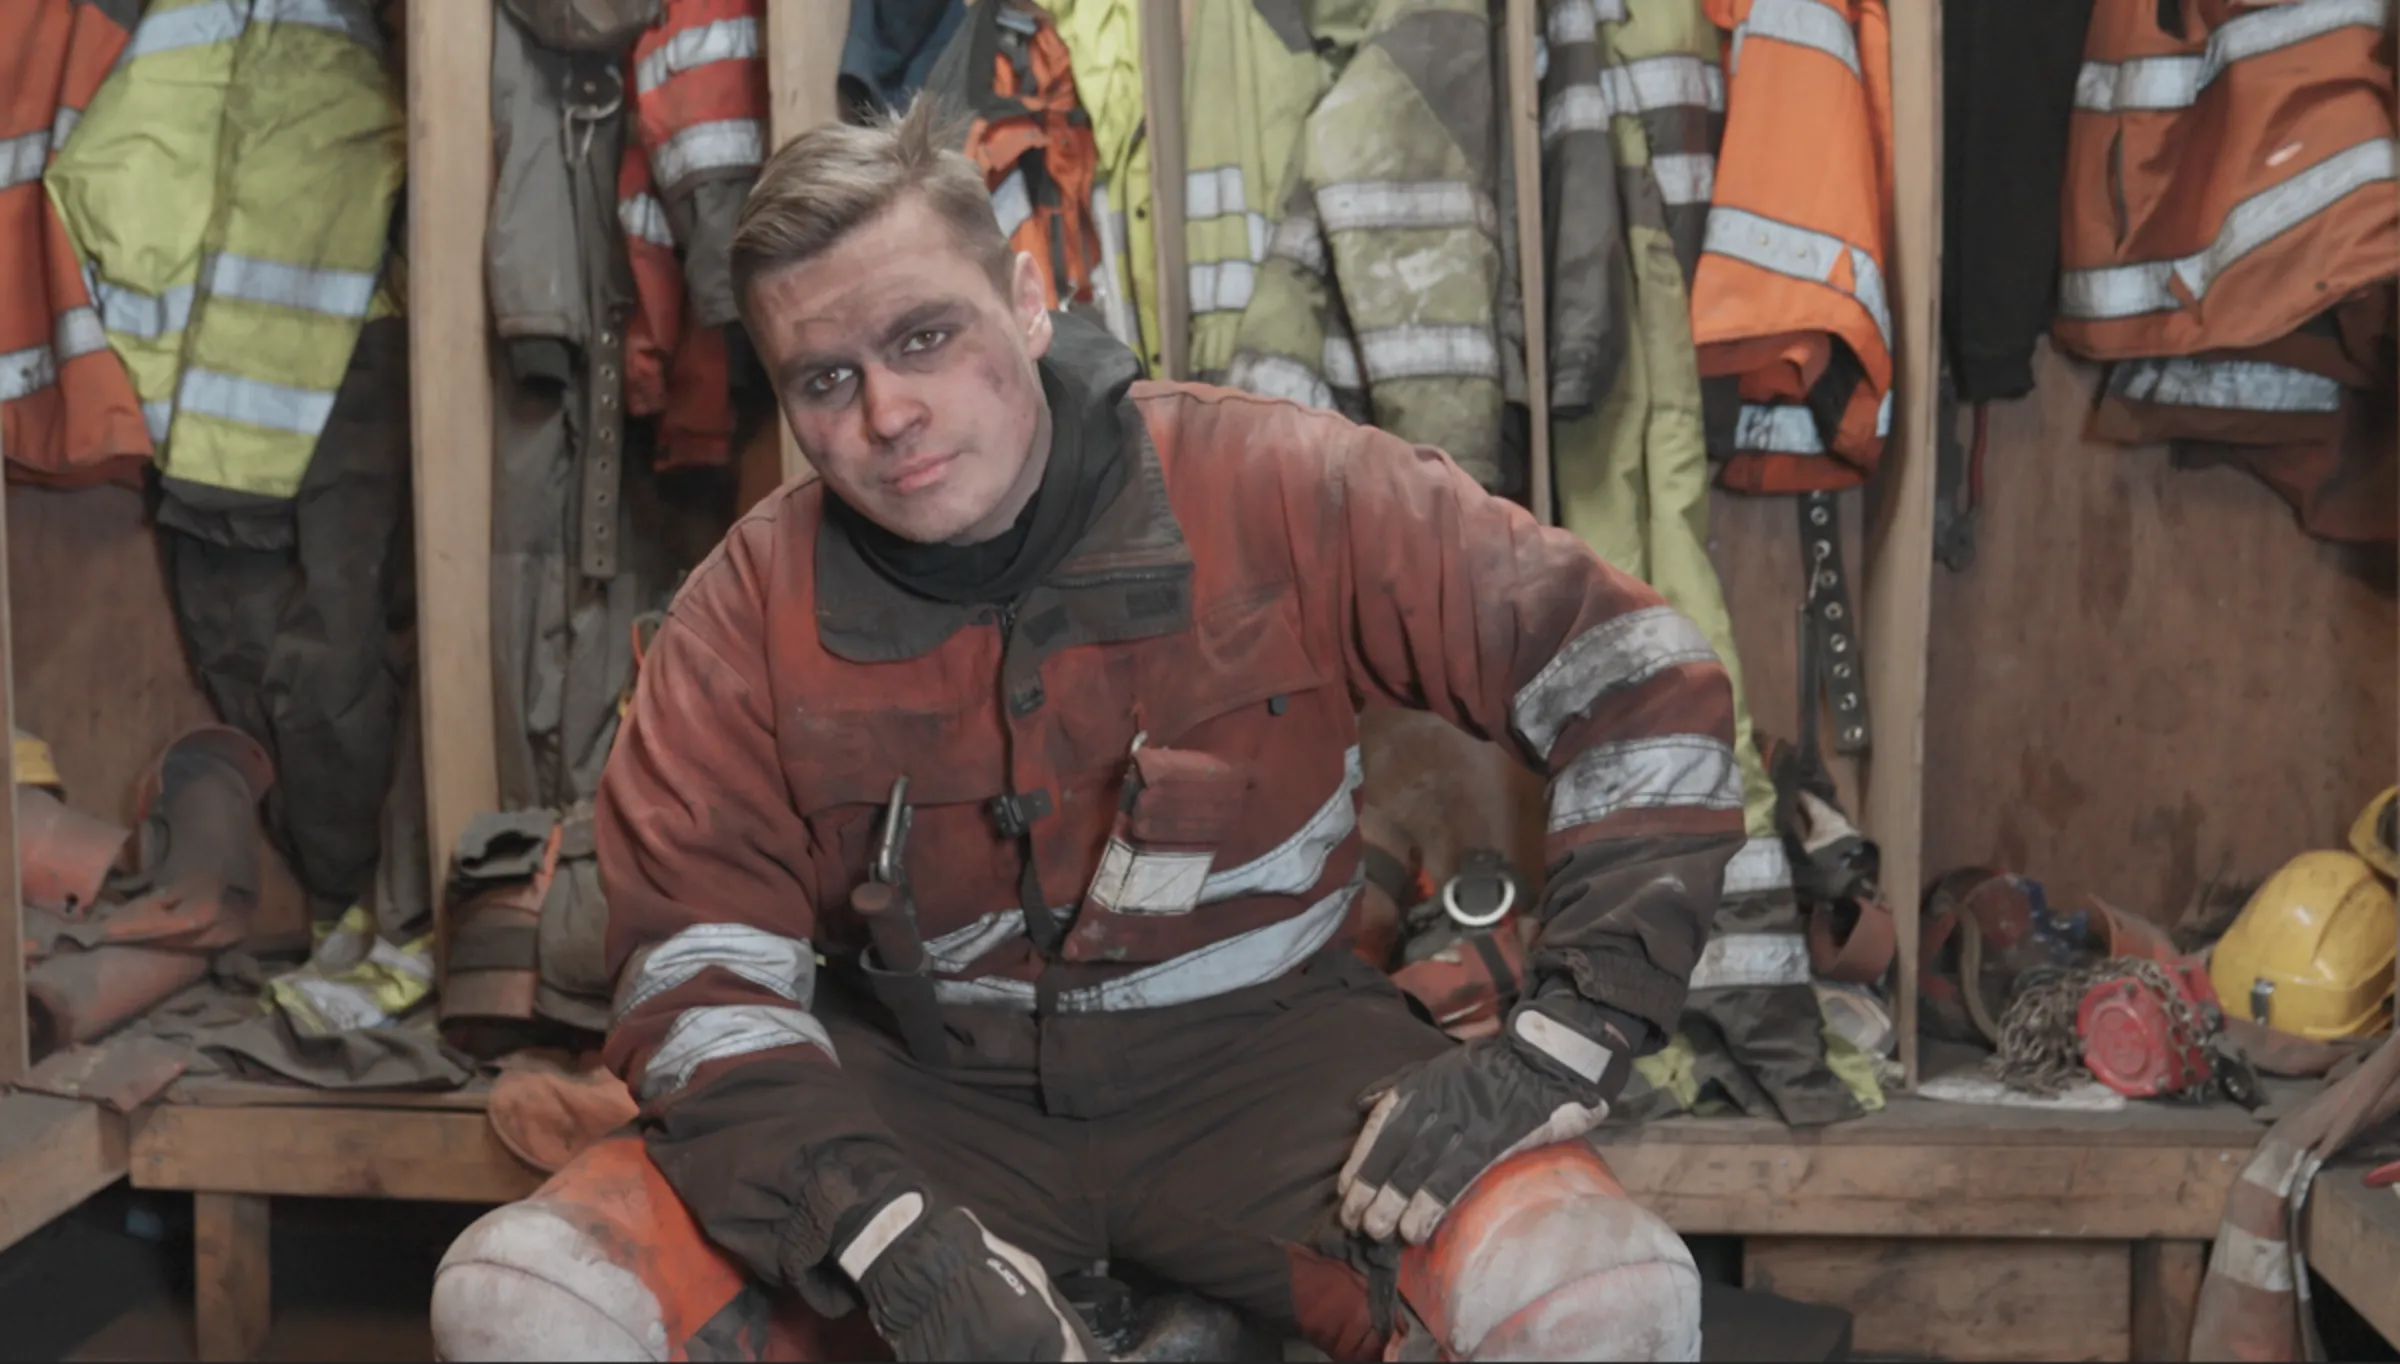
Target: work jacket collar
{"points": [[1128, 577]]}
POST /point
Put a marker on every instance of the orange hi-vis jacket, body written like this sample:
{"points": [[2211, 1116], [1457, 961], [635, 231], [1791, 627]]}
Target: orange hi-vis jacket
{"points": [[1791, 294], [1007, 68], [698, 85], [2230, 173], [68, 411]]}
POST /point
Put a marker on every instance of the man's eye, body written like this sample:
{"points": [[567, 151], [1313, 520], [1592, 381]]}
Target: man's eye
{"points": [[825, 383], [926, 340]]}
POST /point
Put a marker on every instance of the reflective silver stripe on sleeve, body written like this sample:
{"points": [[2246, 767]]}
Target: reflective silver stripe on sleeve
{"points": [[1299, 240], [1131, 882], [1578, 21], [1761, 865], [1278, 376], [717, 1032], [770, 961], [2252, 1260], [1802, 23], [158, 414], [2119, 291], [307, 288], [1412, 351], [1777, 429], [254, 402], [1611, 656], [167, 30], [644, 218], [2242, 385], [22, 157], [1295, 864], [130, 312], [721, 41], [77, 332], [26, 372], [1251, 958], [1685, 177], [1371, 205], [1213, 192], [1690, 771], [726, 143], [1754, 960], [961, 948], [1222, 287], [346, 17], [1340, 362], [62, 127], [2149, 84], [1012, 203], [1648, 85], [1800, 252]]}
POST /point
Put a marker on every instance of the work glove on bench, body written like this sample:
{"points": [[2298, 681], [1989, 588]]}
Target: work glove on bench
{"points": [[1434, 1129], [939, 1286]]}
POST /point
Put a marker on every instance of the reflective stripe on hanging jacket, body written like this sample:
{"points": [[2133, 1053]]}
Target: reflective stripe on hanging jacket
{"points": [[67, 409], [1792, 292]]}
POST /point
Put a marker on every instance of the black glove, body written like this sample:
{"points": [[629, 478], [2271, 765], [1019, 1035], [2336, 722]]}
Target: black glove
{"points": [[939, 1286], [1436, 1128]]}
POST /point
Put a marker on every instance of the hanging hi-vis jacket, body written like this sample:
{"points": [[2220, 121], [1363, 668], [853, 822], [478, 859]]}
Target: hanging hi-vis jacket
{"points": [[1104, 44], [1791, 293], [1381, 292], [1007, 70], [1251, 74], [2229, 173], [698, 84], [67, 410], [232, 186]]}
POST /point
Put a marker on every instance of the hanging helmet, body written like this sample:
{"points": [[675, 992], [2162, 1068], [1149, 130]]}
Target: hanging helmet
{"points": [[2311, 954], [2371, 836]]}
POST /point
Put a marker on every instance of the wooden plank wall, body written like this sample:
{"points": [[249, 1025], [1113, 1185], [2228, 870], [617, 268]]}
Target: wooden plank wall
{"points": [[2149, 677]]}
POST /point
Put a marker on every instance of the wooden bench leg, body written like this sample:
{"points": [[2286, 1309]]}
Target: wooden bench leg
{"points": [[2166, 1287], [234, 1297]]}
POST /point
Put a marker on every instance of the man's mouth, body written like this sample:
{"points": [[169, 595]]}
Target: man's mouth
{"points": [[919, 473]]}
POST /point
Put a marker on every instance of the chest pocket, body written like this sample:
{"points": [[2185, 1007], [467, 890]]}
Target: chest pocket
{"points": [[1211, 700]]}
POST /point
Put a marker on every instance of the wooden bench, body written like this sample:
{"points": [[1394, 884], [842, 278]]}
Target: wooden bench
{"points": [[2014, 1233]]}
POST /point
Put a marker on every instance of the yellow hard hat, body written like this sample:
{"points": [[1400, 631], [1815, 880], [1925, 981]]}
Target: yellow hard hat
{"points": [[33, 762], [2371, 835], [2311, 954]]}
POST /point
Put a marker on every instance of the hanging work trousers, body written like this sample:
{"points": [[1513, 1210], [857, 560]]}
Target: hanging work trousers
{"points": [[297, 616]]}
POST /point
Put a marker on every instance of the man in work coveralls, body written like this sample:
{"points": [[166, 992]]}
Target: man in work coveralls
{"points": [[1081, 989]]}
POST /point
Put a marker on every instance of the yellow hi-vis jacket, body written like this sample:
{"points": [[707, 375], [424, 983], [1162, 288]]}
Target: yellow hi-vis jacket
{"points": [[231, 188]]}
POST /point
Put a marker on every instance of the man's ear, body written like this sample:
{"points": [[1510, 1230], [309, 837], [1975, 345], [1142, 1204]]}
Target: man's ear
{"points": [[1032, 303]]}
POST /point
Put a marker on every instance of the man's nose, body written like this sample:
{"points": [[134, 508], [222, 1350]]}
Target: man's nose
{"points": [[891, 404]]}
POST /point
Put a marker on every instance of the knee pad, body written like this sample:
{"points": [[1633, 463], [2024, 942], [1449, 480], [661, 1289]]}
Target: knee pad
{"points": [[525, 1283], [1546, 1258]]}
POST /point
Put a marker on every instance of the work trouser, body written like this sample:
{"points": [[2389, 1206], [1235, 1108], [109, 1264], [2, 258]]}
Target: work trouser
{"points": [[1200, 1144]]}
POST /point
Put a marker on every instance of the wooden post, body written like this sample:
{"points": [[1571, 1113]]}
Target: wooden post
{"points": [[1898, 600], [1524, 103], [450, 412], [2166, 1289], [233, 1297], [15, 1059], [804, 63], [1162, 26]]}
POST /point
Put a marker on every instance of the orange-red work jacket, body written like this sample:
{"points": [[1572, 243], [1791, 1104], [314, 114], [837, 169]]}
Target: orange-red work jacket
{"points": [[2228, 178], [698, 85], [1263, 570], [1008, 70], [68, 412], [1792, 294]]}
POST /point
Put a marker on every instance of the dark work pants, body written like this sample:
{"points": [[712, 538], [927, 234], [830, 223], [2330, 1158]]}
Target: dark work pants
{"points": [[1200, 1143]]}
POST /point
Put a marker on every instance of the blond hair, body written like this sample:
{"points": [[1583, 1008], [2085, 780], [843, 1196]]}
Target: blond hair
{"points": [[830, 179]]}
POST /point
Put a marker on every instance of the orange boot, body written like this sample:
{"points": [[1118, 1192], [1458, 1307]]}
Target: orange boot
{"points": [[602, 1262], [1546, 1257]]}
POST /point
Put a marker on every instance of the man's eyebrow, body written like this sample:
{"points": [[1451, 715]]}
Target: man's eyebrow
{"points": [[918, 318]]}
